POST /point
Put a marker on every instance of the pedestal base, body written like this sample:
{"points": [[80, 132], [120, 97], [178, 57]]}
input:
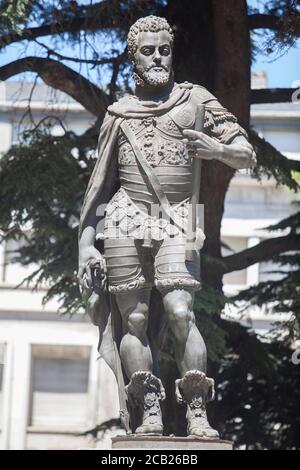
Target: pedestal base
{"points": [[134, 442]]}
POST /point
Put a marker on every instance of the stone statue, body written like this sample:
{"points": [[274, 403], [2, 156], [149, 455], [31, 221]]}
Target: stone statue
{"points": [[136, 277]]}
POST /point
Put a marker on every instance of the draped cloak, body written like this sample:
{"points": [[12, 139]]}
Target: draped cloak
{"points": [[101, 306]]}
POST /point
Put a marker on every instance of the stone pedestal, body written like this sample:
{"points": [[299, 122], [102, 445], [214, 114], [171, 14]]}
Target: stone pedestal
{"points": [[134, 442]]}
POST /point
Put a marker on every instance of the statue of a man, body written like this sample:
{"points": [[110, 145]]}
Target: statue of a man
{"points": [[146, 151]]}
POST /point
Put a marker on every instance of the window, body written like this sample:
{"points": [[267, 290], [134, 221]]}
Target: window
{"points": [[234, 245], [59, 381]]}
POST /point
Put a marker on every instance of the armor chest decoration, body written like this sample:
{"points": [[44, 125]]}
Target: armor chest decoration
{"points": [[160, 140]]}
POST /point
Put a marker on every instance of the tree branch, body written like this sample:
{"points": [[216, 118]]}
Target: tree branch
{"points": [[272, 95], [109, 60], [273, 164], [273, 22], [264, 251], [60, 77], [107, 14], [86, 17], [261, 21], [294, 165]]}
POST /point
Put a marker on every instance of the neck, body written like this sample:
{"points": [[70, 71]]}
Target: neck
{"points": [[154, 93]]}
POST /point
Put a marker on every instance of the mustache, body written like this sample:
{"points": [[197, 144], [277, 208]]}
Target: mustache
{"points": [[150, 67]]}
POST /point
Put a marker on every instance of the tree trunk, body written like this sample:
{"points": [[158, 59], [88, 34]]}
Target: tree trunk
{"points": [[194, 59], [232, 86], [232, 79], [212, 48], [221, 62]]}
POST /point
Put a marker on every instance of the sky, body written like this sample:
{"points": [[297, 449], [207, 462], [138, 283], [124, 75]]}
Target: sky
{"points": [[283, 69]]}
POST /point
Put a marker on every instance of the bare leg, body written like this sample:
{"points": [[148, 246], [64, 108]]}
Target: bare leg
{"points": [[190, 347], [195, 389], [134, 349], [145, 390]]}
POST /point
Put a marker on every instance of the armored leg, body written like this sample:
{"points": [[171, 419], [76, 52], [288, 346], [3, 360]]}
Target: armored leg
{"points": [[196, 390], [145, 392]]}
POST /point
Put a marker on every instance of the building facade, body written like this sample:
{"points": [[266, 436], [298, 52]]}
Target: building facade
{"points": [[53, 388]]}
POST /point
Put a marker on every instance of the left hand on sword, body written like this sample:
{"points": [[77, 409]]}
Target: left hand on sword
{"points": [[202, 146]]}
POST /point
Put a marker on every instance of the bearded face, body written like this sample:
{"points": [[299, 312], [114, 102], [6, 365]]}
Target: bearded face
{"points": [[153, 59], [153, 76]]}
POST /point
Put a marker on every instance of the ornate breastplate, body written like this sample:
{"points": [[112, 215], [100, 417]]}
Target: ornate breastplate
{"points": [[160, 140]]}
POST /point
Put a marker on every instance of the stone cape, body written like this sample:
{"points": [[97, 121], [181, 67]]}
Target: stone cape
{"points": [[102, 306]]}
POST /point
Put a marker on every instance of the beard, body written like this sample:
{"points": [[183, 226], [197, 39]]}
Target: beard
{"points": [[151, 77]]}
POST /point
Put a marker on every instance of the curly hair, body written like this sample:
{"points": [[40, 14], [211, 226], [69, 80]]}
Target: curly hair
{"points": [[152, 24]]}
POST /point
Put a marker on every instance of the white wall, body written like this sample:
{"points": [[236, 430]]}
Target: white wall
{"points": [[5, 133], [23, 338], [31, 418]]}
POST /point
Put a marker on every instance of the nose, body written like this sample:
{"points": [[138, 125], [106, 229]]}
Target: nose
{"points": [[157, 57]]}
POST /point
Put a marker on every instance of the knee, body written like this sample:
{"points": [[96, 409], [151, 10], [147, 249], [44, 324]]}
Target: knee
{"points": [[179, 314], [180, 318], [137, 323]]}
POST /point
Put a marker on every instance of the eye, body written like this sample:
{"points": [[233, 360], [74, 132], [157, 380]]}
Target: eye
{"points": [[147, 50], [165, 50]]}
